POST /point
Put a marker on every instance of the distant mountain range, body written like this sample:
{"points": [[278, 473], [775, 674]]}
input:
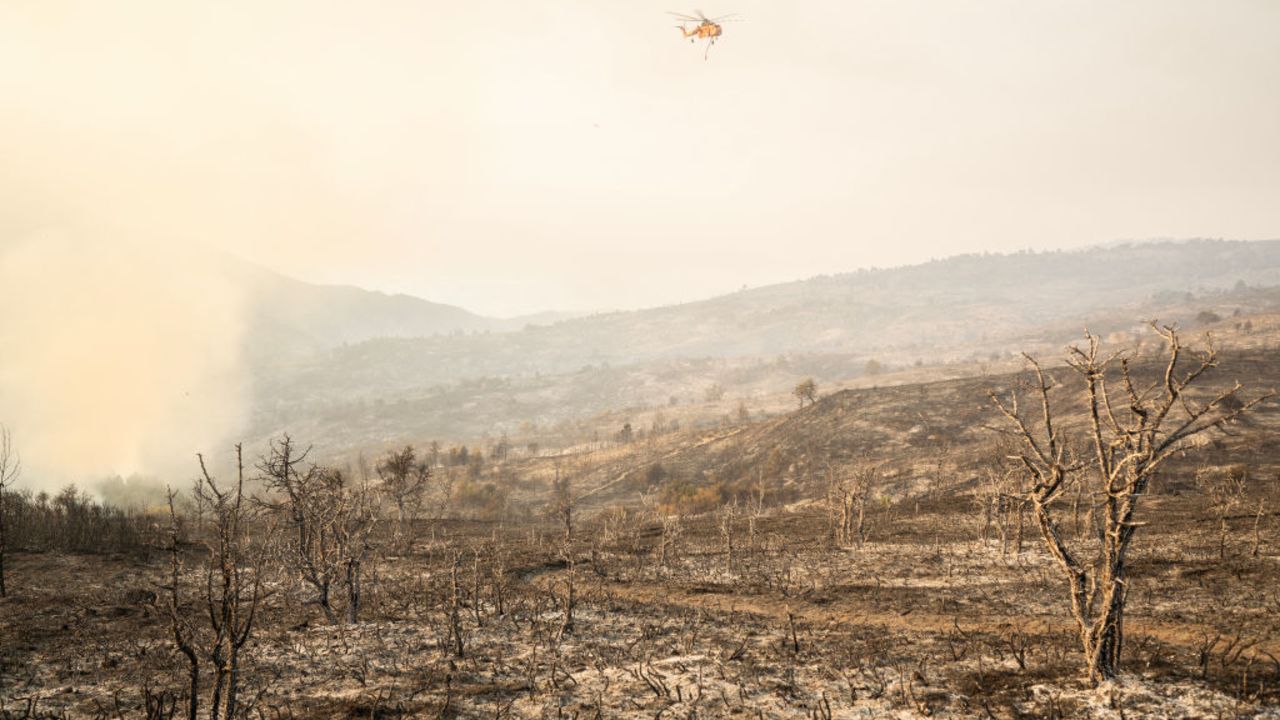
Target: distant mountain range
{"points": [[347, 345], [922, 308], [292, 319]]}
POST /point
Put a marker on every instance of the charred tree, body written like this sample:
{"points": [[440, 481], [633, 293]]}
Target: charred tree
{"points": [[1131, 431]]}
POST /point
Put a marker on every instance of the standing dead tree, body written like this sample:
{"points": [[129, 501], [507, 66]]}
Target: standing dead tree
{"points": [[999, 496], [562, 502], [10, 469], [1257, 528], [668, 541], [233, 587], [311, 513], [183, 632], [755, 511], [1130, 433], [232, 594], [727, 513], [357, 518], [847, 501], [332, 521], [455, 606], [561, 509]]}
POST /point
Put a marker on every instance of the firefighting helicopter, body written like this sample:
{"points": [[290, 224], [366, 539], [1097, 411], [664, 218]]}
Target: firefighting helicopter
{"points": [[706, 29]]}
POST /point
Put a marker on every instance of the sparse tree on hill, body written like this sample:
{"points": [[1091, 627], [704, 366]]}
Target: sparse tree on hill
{"points": [[806, 389], [657, 426], [1207, 317], [10, 469], [404, 480], [1133, 428]]}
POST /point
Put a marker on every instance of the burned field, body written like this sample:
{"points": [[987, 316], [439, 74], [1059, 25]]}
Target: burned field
{"points": [[856, 558]]}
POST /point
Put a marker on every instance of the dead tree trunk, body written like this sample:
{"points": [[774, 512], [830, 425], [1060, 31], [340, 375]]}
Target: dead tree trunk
{"points": [[182, 632], [570, 599], [726, 534], [1021, 509], [667, 542], [233, 588], [455, 609], [232, 592], [1257, 535]]}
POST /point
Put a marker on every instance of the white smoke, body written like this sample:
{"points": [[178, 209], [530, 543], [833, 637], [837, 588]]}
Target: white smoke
{"points": [[116, 356]]}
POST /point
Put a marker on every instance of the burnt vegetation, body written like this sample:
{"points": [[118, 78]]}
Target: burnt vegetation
{"points": [[1090, 538]]}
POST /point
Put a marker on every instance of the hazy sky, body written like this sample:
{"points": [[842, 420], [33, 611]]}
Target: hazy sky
{"points": [[577, 154]]}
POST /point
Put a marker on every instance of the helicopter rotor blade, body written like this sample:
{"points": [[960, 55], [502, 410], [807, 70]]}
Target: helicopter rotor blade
{"points": [[688, 18]]}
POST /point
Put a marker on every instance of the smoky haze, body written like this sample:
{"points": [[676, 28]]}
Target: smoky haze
{"points": [[571, 155], [119, 357], [578, 155]]}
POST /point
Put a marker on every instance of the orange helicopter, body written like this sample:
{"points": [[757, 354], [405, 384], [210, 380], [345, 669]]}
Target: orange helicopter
{"points": [[706, 29]]}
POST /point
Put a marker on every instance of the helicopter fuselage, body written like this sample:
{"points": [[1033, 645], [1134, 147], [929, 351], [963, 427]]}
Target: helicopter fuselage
{"points": [[705, 31]]}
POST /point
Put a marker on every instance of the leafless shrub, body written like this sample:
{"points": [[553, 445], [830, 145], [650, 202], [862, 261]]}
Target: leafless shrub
{"points": [[73, 521], [1225, 489]]}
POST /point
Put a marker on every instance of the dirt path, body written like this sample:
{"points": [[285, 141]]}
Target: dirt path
{"points": [[847, 610]]}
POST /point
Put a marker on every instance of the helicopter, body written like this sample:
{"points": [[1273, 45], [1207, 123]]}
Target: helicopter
{"points": [[706, 29]]}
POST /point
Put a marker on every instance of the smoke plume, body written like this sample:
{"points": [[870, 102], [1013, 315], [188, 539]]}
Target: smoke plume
{"points": [[119, 357]]}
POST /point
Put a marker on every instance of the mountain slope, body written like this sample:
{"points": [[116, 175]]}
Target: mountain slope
{"points": [[931, 310], [294, 318]]}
